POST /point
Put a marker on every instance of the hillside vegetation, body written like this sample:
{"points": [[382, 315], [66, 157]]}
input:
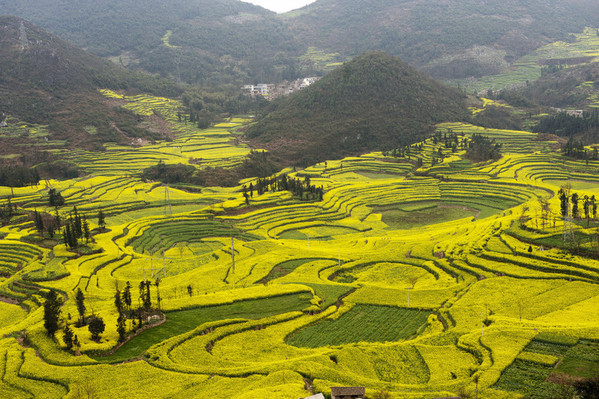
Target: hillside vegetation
{"points": [[46, 81], [449, 39], [229, 41], [207, 41], [374, 101]]}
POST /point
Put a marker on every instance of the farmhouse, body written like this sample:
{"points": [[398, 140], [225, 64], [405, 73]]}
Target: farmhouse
{"points": [[348, 392]]}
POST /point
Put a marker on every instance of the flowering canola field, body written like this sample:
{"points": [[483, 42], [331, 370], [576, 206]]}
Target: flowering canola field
{"points": [[421, 281]]}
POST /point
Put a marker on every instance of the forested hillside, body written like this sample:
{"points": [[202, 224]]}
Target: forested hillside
{"points": [[208, 41], [449, 39], [373, 101], [46, 81], [229, 41]]}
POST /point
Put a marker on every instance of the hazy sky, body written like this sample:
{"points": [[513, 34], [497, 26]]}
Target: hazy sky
{"points": [[280, 5]]}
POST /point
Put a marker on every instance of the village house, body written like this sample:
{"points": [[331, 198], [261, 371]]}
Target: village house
{"points": [[317, 396], [575, 112], [271, 91], [348, 392]]}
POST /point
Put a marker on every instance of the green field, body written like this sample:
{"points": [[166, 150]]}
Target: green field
{"points": [[363, 323]]}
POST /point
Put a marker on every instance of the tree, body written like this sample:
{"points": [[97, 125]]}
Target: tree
{"points": [[412, 280], [86, 231], [51, 312], [158, 298], [79, 299], [67, 337], [563, 200], [55, 198], [101, 220], [127, 295], [76, 342], [147, 300], [118, 302], [574, 200], [120, 328], [39, 222], [96, 327], [545, 210]]}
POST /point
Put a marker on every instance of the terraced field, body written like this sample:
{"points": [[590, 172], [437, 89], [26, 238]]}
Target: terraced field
{"points": [[422, 281], [528, 68]]}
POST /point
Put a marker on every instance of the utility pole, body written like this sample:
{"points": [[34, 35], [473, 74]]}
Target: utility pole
{"points": [[168, 210], [164, 258], [233, 254]]}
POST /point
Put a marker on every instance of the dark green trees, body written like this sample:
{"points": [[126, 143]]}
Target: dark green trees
{"points": [[101, 220], [68, 337], [51, 312], [55, 198], [96, 327], [79, 299], [127, 296], [481, 149]]}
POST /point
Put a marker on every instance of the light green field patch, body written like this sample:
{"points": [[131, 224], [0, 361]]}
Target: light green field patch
{"points": [[166, 39], [92, 130]]}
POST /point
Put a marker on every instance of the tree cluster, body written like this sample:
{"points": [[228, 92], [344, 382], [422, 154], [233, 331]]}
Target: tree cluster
{"points": [[76, 227], [575, 149], [18, 176], [7, 211], [46, 223], [302, 189], [566, 125], [481, 149], [569, 205], [55, 198]]}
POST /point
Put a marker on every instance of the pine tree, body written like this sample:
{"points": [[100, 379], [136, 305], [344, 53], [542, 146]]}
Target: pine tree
{"points": [[118, 303], [39, 222], [51, 313], [147, 301], [86, 231], [157, 284], [101, 220], [127, 295], [68, 337], [120, 328], [574, 200], [79, 299]]}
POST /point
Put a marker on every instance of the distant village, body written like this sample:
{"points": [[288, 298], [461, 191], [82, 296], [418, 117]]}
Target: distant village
{"points": [[272, 91]]}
